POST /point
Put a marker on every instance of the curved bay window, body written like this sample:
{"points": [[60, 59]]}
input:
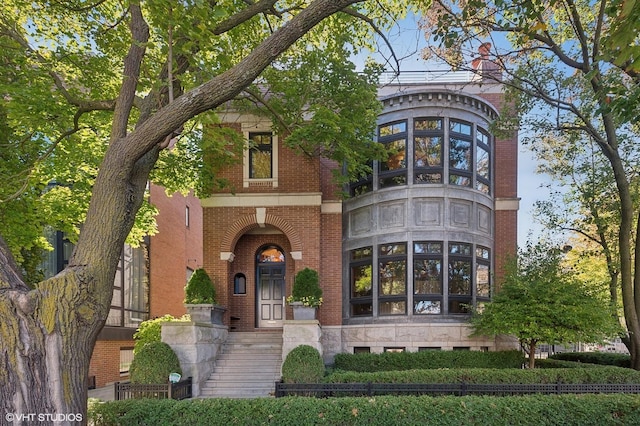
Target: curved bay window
{"points": [[434, 290], [392, 279], [361, 287], [393, 171]]}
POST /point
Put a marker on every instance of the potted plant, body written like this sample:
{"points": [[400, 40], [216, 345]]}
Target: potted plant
{"points": [[200, 299], [306, 295]]}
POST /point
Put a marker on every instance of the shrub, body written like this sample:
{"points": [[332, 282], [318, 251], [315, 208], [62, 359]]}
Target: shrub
{"points": [[153, 363], [395, 361], [602, 358], [525, 410], [150, 330], [200, 288], [556, 363], [612, 375], [306, 288], [303, 365]]}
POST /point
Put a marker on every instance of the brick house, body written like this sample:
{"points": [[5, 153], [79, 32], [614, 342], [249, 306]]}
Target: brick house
{"points": [[400, 260], [149, 282]]}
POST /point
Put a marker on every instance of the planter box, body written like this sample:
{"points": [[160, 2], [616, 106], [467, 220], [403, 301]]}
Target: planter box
{"points": [[206, 313], [301, 312]]}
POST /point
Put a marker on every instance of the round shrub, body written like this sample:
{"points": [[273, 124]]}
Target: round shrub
{"points": [[153, 363], [303, 365], [149, 331], [200, 288]]}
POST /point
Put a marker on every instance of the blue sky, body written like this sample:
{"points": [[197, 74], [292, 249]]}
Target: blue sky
{"points": [[408, 41]]}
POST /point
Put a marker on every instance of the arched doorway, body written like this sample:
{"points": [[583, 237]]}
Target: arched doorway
{"points": [[270, 283]]}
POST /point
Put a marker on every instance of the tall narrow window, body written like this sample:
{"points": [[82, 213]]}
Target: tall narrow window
{"points": [[459, 284], [360, 266], [427, 150], [483, 162], [460, 153], [483, 276], [393, 170], [427, 278], [260, 156], [187, 218], [392, 277], [240, 284]]}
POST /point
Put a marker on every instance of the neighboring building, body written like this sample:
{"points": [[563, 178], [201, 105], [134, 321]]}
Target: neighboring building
{"points": [[149, 282], [418, 241]]}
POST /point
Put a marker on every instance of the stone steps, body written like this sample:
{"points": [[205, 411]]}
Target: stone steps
{"points": [[247, 367]]}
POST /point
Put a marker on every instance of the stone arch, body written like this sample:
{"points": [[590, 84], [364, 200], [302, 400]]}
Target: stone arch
{"points": [[248, 222]]}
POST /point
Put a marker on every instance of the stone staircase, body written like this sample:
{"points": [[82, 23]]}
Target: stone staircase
{"points": [[247, 366]]}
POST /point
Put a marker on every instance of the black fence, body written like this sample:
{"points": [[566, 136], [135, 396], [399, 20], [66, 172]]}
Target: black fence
{"points": [[324, 390], [128, 390]]}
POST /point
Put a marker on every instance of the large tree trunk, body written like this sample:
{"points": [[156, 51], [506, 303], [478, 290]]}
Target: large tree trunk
{"points": [[47, 334]]}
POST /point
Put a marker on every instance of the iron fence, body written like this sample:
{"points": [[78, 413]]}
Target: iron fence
{"points": [[128, 390], [324, 390]]}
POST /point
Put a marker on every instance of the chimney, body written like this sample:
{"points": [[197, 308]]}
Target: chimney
{"points": [[486, 69]]}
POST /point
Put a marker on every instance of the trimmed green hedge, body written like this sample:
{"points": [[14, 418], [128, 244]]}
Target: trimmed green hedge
{"points": [[397, 361], [539, 410], [556, 363], [602, 358], [303, 365], [490, 376]]}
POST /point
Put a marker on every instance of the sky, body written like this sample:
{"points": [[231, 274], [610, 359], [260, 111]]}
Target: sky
{"points": [[408, 41]]}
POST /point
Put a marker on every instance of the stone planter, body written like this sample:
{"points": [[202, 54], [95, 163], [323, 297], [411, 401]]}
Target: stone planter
{"points": [[206, 313], [301, 312]]}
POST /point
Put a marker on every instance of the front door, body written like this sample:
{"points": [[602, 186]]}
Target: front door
{"points": [[270, 294]]}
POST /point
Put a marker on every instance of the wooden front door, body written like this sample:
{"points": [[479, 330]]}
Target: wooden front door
{"points": [[270, 293]]}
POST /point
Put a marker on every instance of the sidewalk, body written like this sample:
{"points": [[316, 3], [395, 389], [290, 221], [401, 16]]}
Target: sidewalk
{"points": [[104, 394]]}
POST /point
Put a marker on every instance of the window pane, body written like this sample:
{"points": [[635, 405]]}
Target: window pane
{"points": [[392, 129], [360, 309], [393, 181], [260, 167], [426, 307], [482, 165], [459, 127], [361, 281], [482, 137], [271, 254], [428, 178], [392, 308], [428, 151], [460, 248], [430, 247], [482, 281], [393, 277], [459, 277], [428, 124], [362, 253], [482, 187], [482, 252], [459, 180], [396, 156], [459, 154], [390, 249], [427, 276], [459, 306]]}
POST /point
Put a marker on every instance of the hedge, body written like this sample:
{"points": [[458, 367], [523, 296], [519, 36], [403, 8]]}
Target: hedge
{"points": [[556, 363], [303, 365], [582, 410], [612, 375], [397, 361], [603, 358]]}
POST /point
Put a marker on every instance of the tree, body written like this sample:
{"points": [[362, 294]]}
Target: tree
{"points": [[540, 301], [105, 89], [571, 71]]}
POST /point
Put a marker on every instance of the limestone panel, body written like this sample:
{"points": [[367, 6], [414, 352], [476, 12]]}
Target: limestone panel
{"points": [[484, 219], [392, 215], [428, 213], [460, 214], [361, 221]]}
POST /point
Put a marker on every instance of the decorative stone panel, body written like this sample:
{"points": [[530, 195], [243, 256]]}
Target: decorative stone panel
{"points": [[460, 214], [428, 213], [484, 219], [392, 215], [361, 221]]}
